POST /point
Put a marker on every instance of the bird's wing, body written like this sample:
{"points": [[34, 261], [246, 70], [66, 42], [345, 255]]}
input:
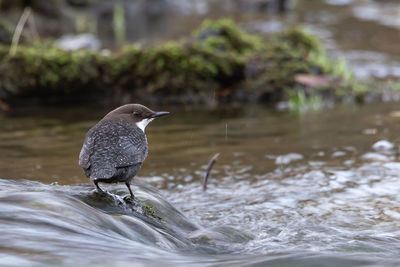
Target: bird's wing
{"points": [[86, 151], [132, 148], [112, 146]]}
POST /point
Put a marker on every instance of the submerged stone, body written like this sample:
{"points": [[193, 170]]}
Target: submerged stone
{"points": [[80, 41]]}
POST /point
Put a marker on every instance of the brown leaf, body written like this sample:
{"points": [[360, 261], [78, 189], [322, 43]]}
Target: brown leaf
{"points": [[313, 80]]}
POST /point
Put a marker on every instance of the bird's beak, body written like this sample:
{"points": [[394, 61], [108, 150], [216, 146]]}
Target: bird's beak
{"points": [[159, 114]]}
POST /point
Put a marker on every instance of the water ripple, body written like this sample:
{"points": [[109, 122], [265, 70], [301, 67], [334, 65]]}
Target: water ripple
{"points": [[55, 224]]}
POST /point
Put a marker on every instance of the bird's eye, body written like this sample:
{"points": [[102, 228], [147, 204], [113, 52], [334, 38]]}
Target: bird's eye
{"points": [[136, 113]]}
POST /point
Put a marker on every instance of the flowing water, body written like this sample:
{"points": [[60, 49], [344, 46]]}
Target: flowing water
{"points": [[289, 189]]}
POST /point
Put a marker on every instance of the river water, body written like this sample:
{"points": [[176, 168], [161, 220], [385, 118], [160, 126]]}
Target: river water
{"points": [[309, 188], [289, 188]]}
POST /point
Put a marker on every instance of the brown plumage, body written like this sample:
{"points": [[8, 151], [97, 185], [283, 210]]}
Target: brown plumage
{"points": [[115, 148]]}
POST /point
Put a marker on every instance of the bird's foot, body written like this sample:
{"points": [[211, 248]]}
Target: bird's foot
{"points": [[129, 199], [132, 196], [99, 190]]}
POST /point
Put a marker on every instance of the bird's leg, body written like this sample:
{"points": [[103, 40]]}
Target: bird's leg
{"points": [[98, 187], [130, 190]]}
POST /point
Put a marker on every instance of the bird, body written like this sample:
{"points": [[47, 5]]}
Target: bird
{"points": [[114, 149]]}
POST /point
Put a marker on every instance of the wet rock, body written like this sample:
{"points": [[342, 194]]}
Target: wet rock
{"points": [[69, 220], [80, 41], [189, 7], [288, 158], [266, 26]]}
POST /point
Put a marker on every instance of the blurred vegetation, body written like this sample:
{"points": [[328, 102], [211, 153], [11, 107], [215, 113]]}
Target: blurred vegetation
{"points": [[6, 33], [219, 60]]}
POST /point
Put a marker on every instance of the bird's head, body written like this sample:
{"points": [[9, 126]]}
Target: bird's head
{"points": [[137, 113]]}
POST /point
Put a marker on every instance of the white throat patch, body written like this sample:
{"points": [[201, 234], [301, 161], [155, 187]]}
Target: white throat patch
{"points": [[143, 123]]}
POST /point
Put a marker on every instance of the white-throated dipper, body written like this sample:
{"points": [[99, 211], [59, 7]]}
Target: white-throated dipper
{"points": [[115, 148]]}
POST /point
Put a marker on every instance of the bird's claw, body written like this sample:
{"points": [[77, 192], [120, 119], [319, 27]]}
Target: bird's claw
{"points": [[129, 199]]}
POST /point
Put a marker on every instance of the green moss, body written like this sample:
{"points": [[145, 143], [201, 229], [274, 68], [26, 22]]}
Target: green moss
{"points": [[172, 68], [35, 70], [298, 100], [295, 51], [275, 66], [219, 57], [224, 35], [301, 39], [150, 211]]}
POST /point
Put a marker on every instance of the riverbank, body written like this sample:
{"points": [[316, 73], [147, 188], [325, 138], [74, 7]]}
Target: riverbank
{"points": [[218, 63]]}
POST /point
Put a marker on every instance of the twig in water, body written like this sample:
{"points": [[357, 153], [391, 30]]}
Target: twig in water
{"points": [[18, 30], [226, 131], [209, 167]]}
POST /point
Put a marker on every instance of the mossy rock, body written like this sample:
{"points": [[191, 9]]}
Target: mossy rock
{"points": [[174, 69], [298, 38], [274, 67], [272, 70], [36, 71], [213, 59], [224, 35], [218, 59]]}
